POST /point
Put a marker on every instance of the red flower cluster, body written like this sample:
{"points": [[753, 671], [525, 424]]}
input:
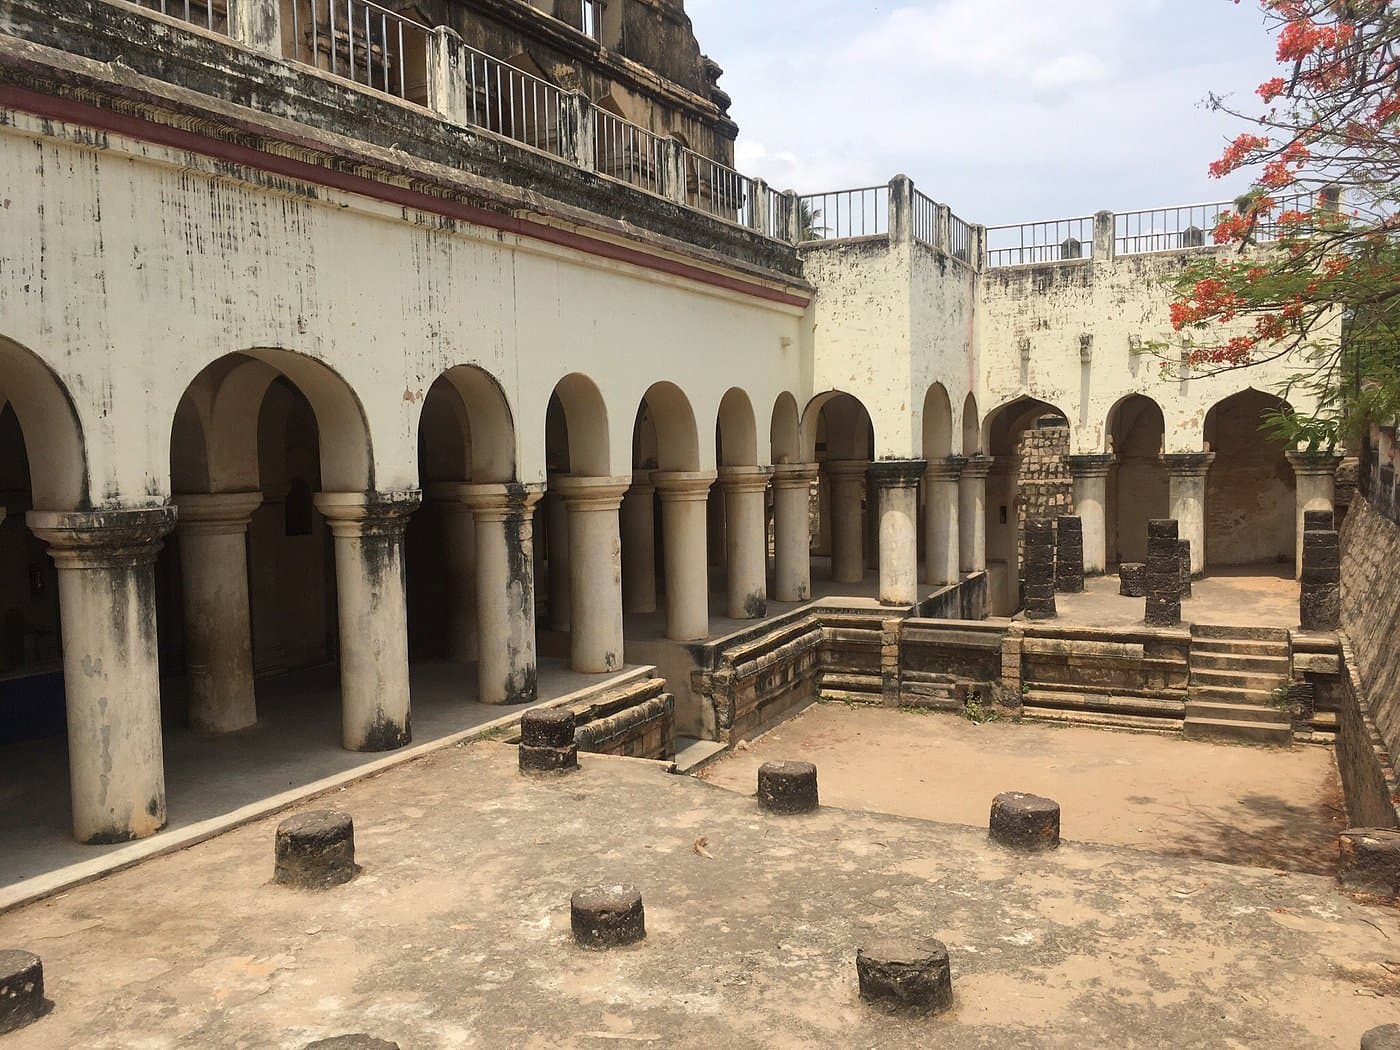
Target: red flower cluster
{"points": [[1209, 299], [1238, 153]]}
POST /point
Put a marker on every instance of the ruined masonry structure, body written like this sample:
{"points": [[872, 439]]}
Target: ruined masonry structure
{"points": [[454, 357]]}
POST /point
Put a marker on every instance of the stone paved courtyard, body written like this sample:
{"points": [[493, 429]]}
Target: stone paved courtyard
{"points": [[456, 933]]}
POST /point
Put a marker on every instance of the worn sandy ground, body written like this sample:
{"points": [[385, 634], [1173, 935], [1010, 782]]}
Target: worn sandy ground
{"points": [[1265, 596], [1251, 805], [456, 932]]}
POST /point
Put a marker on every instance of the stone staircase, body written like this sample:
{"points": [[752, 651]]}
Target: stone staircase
{"points": [[1235, 675]]}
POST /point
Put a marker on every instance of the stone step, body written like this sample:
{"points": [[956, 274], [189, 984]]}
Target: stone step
{"points": [[1232, 633], [1230, 695], [1208, 709], [1236, 679], [1175, 695], [1213, 661], [1102, 720], [1238, 647], [1141, 706], [1237, 731]]}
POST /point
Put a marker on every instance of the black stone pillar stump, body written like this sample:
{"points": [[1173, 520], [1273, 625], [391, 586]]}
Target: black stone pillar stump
{"points": [[1319, 521], [607, 916], [1132, 579], [315, 850], [905, 977], [1069, 554], [21, 990], [1369, 861], [1184, 566], [1163, 574], [1320, 591], [1039, 570], [1386, 1037], [547, 741], [787, 787], [1025, 822], [355, 1041]]}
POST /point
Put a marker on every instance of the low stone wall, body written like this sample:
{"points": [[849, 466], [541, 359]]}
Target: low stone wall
{"points": [[940, 660], [964, 600], [1368, 779], [1109, 660], [760, 680], [637, 720]]}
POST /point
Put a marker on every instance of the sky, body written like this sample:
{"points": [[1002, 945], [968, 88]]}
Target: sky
{"points": [[1006, 110]]}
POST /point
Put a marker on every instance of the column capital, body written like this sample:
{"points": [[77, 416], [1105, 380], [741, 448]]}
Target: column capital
{"points": [[945, 468], [584, 492], [641, 483], [1187, 464], [745, 479], [1313, 462], [367, 513], [846, 468], [216, 513], [978, 467], [683, 485], [497, 500], [103, 538], [794, 475], [1090, 464], [897, 473]]}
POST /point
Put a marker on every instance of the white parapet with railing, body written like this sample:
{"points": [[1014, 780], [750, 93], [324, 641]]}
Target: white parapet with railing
{"points": [[717, 188], [211, 14], [363, 42], [1193, 225], [629, 152], [840, 214], [896, 210], [1052, 240]]}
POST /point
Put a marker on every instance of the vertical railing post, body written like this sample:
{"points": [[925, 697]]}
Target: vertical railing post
{"points": [[1103, 235], [257, 24], [791, 225], [759, 214], [901, 209], [576, 131], [675, 181], [943, 228], [447, 83]]}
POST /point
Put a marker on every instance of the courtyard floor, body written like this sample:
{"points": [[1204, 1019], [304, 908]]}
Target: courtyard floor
{"points": [[1270, 807], [1263, 596], [456, 933]]}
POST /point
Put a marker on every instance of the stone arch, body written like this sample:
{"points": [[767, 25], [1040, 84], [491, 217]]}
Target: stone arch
{"points": [[938, 423], [53, 435], [1250, 488], [585, 416], [785, 431], [841, 423], [1008, 420], [971, 427], [668, 411], [736, 432], [222, 405], [1137, 486], [482, 409]]}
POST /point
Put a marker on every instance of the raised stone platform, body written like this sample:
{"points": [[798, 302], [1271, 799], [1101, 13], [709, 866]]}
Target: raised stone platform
{"points": [[1074, 947]]}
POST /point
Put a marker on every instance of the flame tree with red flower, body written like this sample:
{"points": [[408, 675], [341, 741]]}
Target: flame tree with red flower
{"points": [[1309, 271]]}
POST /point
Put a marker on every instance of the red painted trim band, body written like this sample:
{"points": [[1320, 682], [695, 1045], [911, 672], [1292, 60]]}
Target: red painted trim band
{"points": [[71, 111]]}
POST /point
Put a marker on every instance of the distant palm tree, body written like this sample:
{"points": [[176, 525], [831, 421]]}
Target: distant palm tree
{"points": [[807, 220]]}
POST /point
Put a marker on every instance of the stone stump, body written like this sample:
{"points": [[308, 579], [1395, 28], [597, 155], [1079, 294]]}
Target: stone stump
{"points": [[787, 787], [1040, 570], [1025, 822], [1069, 554], [1163, 574], [21, 990], [1370, 861], [315, 850], [1319, 521], [1132, 579], [1320, 594], [905, 977], [607, 916], [1386, 1037], [547, 741], [354, 1041], [1184, 555]]}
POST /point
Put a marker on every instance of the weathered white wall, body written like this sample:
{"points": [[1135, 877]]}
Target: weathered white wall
{"points": [[131, 268]]}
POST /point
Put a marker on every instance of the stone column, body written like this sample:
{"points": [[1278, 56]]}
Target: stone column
{"points": [[746, 540], [847, 480], [505, 590], [639, 546], [1090, 474], [556, 523], [106, 594], [715, 527], [972, 514], [897, 484], [683, 500], [1163, 607], [1039, 570], [1314, 482], [792, 525], [941, 540], [368, 530], [213, 533], [595, 571], [1186, 472], [459, 566]]}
